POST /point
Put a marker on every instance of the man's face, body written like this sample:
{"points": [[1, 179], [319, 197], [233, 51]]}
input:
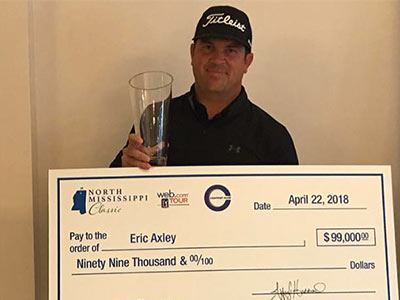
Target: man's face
{"points": [[219, 65]]}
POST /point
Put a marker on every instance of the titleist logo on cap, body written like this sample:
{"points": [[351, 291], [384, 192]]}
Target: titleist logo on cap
{"points": [[227, 20]]}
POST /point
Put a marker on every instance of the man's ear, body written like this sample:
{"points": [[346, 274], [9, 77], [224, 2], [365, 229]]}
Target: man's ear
{"points": [[191, 52], [248, 60]]}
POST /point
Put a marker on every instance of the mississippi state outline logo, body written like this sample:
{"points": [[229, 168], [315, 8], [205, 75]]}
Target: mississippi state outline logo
{"points": [[80, 201]]}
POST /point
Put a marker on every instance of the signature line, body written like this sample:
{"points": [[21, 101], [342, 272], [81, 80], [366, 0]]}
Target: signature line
{"points": [[332, 292]]}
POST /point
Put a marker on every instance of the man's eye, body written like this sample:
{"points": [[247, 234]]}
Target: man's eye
{"points": [[232, 51], [207, 47]]}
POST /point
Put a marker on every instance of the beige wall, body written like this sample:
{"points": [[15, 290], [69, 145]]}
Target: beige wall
{"points": [[16, 214], [328, 70]]}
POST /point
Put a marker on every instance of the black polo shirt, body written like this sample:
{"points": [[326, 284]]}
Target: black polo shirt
{"points": [[242, 134]]}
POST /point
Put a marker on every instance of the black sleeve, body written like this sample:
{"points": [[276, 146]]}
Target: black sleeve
{"points": [[286, 152], [117, 163]]}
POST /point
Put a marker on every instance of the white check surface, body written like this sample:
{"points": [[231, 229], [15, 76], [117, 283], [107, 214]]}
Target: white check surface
{"points": [[267, 233]]}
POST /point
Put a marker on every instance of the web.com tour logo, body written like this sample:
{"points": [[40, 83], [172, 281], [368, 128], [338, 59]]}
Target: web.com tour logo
{"points": [[103, 201], [170, 198]]}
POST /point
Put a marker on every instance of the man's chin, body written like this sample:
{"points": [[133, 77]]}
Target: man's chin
{"points": [[217, 78], [216, 84], [216, 88]]}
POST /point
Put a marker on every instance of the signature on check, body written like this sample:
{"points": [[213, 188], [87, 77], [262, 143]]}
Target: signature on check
{"points": [[293, 290]]}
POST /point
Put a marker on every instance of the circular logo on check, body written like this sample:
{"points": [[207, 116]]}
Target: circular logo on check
{"points": [[217, 197]]}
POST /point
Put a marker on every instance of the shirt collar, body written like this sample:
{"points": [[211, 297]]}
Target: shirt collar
{"points": [[236, 106]]}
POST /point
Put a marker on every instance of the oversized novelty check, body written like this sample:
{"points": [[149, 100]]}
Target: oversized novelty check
{"points": [[196, 233]]}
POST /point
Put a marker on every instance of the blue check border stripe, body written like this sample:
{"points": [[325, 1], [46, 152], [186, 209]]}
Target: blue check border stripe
{"points": [[61, 179]]}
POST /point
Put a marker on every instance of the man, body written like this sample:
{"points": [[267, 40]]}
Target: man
{"points": [[215, 123]]}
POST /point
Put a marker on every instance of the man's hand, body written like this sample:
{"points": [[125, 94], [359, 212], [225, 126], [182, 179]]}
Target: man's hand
{"points": [[137, 155]]}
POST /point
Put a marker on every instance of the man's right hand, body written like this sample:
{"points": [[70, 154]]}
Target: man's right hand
{"points": [[137, 155]]}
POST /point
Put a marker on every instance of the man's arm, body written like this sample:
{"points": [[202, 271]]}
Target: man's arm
{"points": [[285, 153], [117, 163]]}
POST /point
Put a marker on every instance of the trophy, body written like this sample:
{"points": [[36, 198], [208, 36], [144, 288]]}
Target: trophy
{"points": [[150, 94]]}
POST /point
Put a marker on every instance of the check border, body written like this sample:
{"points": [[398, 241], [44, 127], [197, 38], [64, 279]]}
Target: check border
{"points": [[60, 179]]}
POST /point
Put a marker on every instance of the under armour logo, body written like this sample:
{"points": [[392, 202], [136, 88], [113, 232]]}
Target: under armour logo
{"points": [[234, 149]]}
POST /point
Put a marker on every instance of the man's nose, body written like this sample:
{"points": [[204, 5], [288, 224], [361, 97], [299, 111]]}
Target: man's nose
{"points": [[218, 55]]}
